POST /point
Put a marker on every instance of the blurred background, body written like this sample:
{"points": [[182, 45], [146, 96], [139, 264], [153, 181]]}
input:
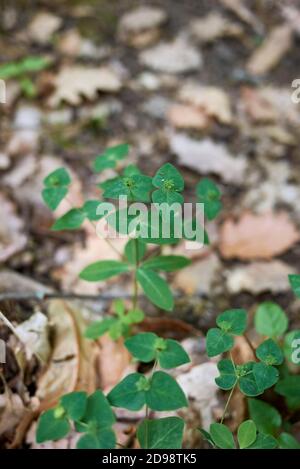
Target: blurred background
{"points": [[207, 85]]}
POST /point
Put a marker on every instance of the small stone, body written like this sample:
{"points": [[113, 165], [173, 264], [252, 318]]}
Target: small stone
{"points": [[43, 26]]}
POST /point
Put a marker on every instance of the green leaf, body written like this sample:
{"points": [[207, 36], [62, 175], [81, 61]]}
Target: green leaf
{"points": [[52, 196], [74, 404], [102, 439], [165, 393], [131, 170], [142, 346], [270, 320], [247, 381], [166, 433], [227, 378], [56, 187], [269, 353], [135, 250], [147, 346], [20, 68], [51, 427], [172, 355], [136, 188], [102, 270], [118, 329], [266, 417], [110, 157], [291, 346], [246, 434], [118, 307], [209, 194], [168, 178], [264, 442], [58, 178], [295, 284], [266, 376], [98, 328], [155, 288], [130, 392], [287, 441], [233, 321], [166, 263], [71, 220], [289, 386], [170, 197], [222, 436], [217, 342], [206, 436], [98, 412], [134, 316], [90, 208]]}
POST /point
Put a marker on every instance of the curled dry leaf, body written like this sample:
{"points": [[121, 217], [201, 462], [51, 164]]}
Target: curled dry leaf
{"points": [[72, 364], [34, 334], [268, 55], [11, 411], [258, 277], [12, 237], [207, 157], [74, 82], [260, 236]]}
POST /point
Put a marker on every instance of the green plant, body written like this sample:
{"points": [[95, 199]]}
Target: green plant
{"points": [[270, 369], [157, 390], [21, 71]]}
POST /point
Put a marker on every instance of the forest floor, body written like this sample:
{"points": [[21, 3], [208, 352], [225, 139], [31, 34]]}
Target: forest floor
{"points": [[206, 85]]}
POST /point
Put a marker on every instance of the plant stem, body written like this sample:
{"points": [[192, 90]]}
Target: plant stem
{"points": [[228, 401], [135, 283], [250, 344]]}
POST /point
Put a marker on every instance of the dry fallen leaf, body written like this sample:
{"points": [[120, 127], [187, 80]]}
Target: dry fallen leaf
{"points": [[206, 156], [187, 117], [199, 276], [210, 99], [244, 13], [260, 236], [199, 385], [214, 26], [258, 277], [75, 82], [42, 27], [11, 411], [12, 237], [34, 335], [72, 364], [257, 106], [114, 362], [272, 50], [175, 57]]}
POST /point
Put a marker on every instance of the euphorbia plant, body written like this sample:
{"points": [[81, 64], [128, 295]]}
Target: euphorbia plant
{"points": [[270, 369], [156, 391]]}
